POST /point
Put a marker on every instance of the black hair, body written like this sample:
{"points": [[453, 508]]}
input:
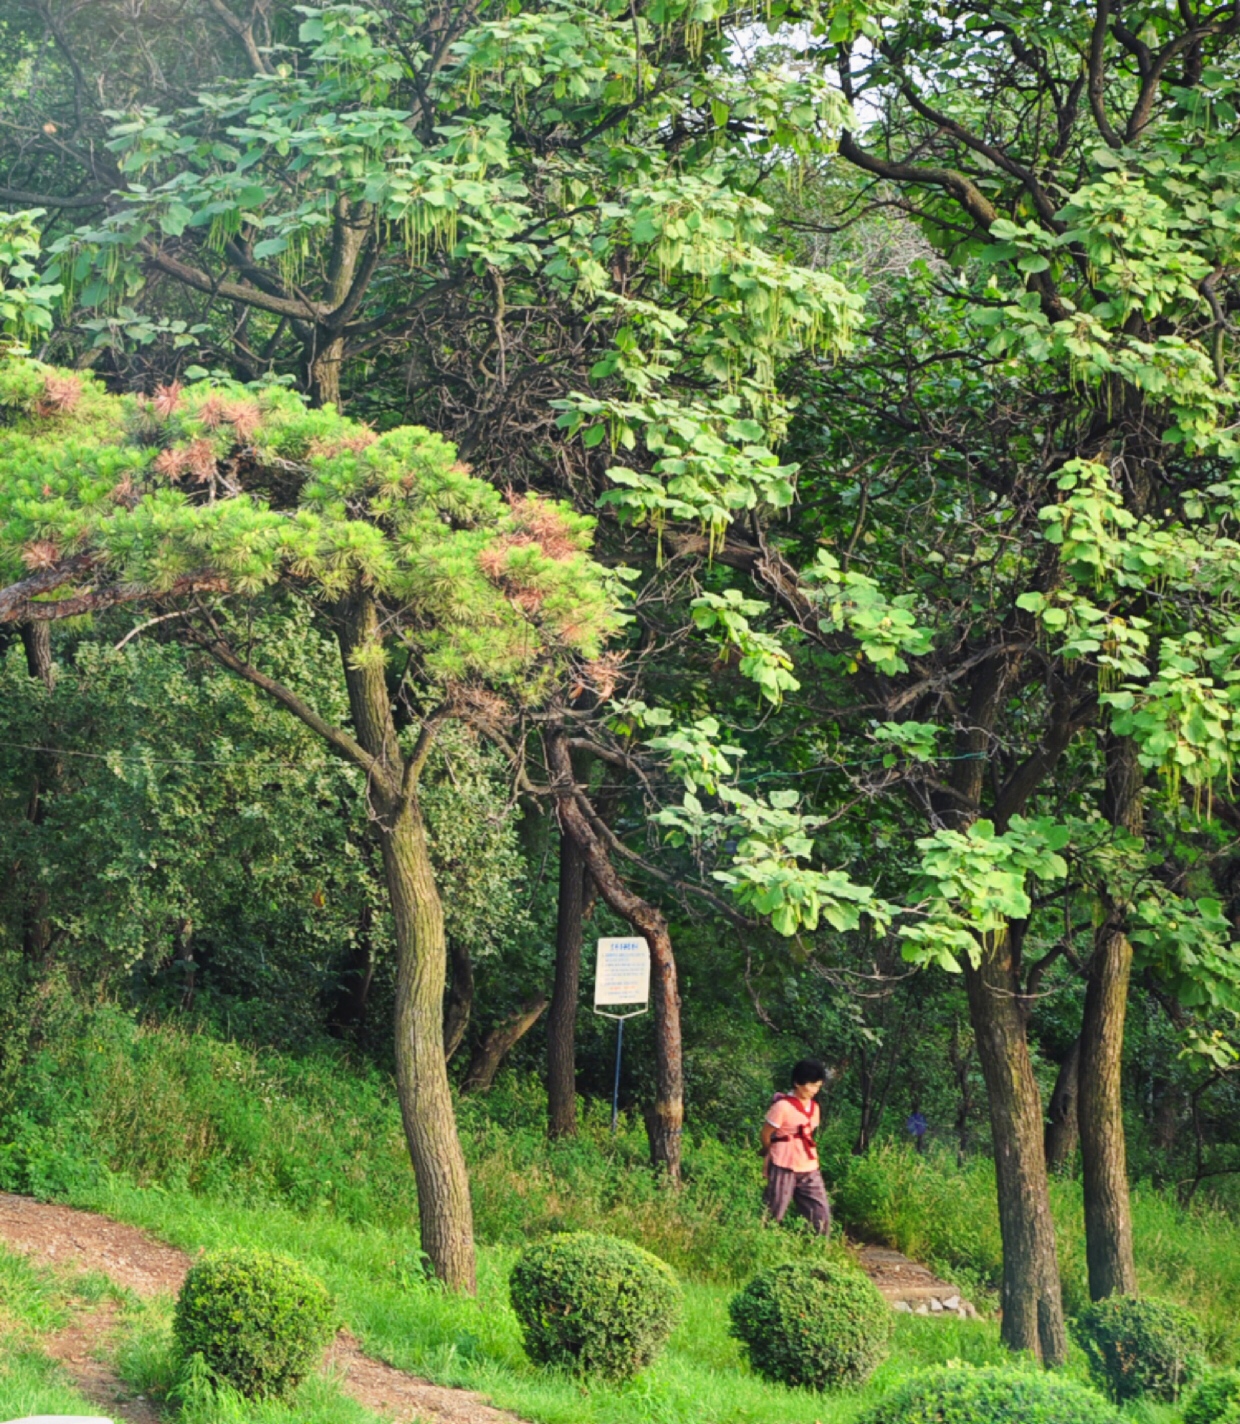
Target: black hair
{"points": [[808, 1070]]}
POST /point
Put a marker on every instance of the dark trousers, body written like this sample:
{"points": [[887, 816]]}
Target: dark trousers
{"points": [[804, 1190]]}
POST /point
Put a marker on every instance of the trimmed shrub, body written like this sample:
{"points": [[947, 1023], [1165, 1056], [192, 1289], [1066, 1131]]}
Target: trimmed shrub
{"points": [[960, 1394], [594, 1304], [1140, 1347], [260, 1322], [823, 1326], [1215, 1397]]}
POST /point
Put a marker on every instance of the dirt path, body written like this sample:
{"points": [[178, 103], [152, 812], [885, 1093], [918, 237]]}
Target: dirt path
{"points": [[83, 1241], [911, 1288]]}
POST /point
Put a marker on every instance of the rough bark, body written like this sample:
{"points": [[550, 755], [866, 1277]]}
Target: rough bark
{"points": [[960, 1053], [1061, 1130], [1031, 1299], [493, 1049], [1100, 1108], [37, 643], [444, 1209], [562, 1019], [36, 914], [666, 1120], [1030, 1295], [323, 373], [459, 1002]]}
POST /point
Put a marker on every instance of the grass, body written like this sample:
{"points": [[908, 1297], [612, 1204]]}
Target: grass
{"points": [[208, 1144], [34, 1302], [475, 1343]]}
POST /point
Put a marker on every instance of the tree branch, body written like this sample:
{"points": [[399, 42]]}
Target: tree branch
{"points": [[336, 737]]}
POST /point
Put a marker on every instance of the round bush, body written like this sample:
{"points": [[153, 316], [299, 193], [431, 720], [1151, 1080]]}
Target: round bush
{"points": [[960, 1394], [1214, 1398], [1140, 1347], [260, 1322], [594, 1304], [822, 1326]]}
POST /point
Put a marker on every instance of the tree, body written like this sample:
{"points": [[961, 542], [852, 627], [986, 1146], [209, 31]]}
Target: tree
{"points": [[206, 499], [1040, 404]]}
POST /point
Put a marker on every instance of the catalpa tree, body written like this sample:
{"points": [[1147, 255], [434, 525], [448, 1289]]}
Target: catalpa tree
{"points": [[444, 597]]}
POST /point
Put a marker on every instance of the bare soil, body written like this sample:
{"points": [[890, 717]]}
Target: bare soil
{"points": [[911, 1288], [81, 1241]]}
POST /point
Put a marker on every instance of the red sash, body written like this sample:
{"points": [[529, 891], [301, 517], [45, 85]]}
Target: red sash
{"points": [[804, 1132]]}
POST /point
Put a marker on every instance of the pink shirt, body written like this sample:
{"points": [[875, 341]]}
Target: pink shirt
{"points": [[787, 1118]]}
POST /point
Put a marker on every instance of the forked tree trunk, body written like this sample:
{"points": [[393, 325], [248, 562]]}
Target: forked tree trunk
{"points": [[444, 1209], [1030, 1296], [1104, 1166], [562, 1019], [1061, 1131], [495, 1047], [665, 1122]]}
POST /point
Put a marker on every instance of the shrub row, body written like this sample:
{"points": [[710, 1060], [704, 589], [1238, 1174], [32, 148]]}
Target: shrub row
{"points": [[596, 1305]]}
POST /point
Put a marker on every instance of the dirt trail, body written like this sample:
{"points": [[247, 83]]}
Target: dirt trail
{"points": [[81, 1240], [911, 1288]]}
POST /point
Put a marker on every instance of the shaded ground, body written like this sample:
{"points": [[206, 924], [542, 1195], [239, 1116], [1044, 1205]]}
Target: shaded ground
{"points": [[63, 1236]]}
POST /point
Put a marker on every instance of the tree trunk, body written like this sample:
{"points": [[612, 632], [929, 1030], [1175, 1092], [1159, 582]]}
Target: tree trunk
{"points": [[323, 374], [1061, 1127], [460, 998], [562, 1020], [1100, 1108], [353, 988], [666, 1122], [444, 1209], [183, 937], [1030, 1297], [493, 1049], [36, 914], [960, 1053]]}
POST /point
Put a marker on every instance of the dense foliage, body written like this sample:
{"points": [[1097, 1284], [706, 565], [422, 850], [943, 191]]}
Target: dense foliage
{"points": [[823, 1326], [1214, 1398], [1139, 1347], [595, 1305], [259, 1321], [840, 592], [958, 1394]]}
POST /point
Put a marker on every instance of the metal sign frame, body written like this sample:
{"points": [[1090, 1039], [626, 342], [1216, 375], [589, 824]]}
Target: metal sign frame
{"points": [[620, 1019]]}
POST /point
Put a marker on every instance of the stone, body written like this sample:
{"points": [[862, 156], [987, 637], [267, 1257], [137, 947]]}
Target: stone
{"points": [[922, 1309], [952, 1303], [936, 1306], [902, 1305]]}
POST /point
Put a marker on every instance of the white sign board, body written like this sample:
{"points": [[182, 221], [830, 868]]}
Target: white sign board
{"points": [[623, 972]]}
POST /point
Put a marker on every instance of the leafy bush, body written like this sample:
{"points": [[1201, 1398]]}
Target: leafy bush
{"points": [[823, 1326], [1140, 1347], [1215, 1397], [959, 1394], [260, 1322], [594, 1304]]}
